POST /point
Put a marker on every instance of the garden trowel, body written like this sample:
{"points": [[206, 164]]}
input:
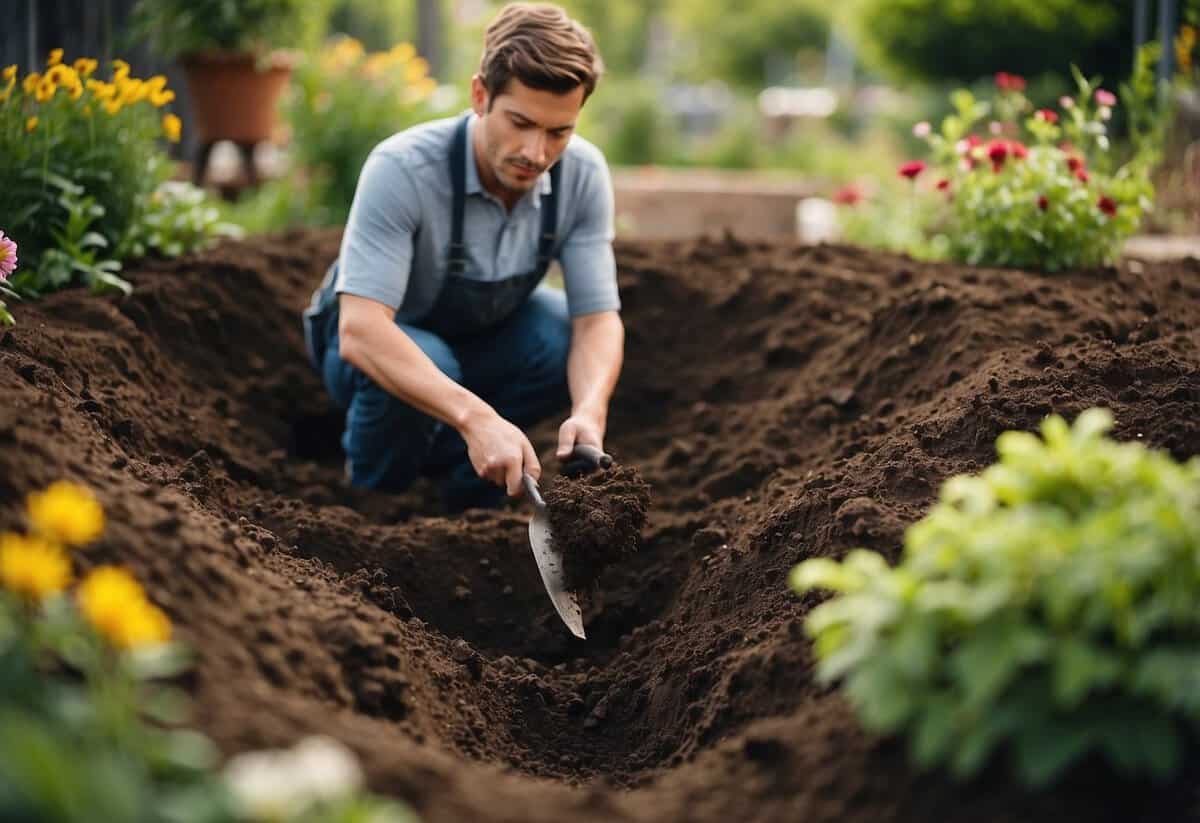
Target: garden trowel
{"points": [[548, 556]]}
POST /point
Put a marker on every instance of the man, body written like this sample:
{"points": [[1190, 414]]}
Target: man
{"points": [[432, 329]]}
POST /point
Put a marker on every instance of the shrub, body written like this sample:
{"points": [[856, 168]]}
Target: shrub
{"points": [[81, 160], [1050, 605], [1034, 188], [175, 28], [344, 101]]}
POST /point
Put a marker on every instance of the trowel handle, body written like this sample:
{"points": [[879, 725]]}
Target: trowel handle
{"points": [[531, 489], [591, 454]]}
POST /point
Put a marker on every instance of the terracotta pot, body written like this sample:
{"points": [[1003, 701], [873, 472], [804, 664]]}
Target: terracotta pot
{"points": [[235, 96]]}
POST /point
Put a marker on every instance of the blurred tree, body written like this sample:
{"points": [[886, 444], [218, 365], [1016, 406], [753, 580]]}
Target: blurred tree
{"points": [[964, 40], [749, 43]]}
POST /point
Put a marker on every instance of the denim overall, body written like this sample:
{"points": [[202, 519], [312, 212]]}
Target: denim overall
{"points": [[506, 340]]}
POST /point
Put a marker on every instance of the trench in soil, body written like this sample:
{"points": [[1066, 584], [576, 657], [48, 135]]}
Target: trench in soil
{"points": [[782, 402]]}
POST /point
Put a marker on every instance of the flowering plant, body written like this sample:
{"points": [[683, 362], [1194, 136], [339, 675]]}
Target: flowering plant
{"points": [[81, 157], [1033, 188], [1046, 607], [342, 102], [8, 264], [90, 731]]}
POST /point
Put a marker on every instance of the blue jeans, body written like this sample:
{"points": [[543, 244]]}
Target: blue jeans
{"points": [[519, 369]]}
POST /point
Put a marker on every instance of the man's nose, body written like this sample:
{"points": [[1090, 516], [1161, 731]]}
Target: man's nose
{"points": [[535, 149]]}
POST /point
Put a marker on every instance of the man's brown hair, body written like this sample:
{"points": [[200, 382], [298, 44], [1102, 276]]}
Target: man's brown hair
{"points": [[541, 46]]}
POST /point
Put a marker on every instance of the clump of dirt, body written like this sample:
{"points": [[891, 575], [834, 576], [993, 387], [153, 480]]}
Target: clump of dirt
{"points": [[814, 400], [596, 519]]}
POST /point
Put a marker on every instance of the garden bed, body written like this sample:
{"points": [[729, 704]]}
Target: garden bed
{"points": [[781, 401]]}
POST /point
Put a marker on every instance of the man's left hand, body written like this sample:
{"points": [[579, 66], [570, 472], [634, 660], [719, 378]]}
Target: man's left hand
{"points": [[580, 428]]}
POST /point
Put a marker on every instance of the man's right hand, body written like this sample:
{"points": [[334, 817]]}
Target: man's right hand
{"points": [[500, 451]]}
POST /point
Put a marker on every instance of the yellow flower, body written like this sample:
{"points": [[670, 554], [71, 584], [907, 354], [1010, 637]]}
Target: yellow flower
{"points": [[102, 91], [66, 512], [85, 66], [156, 83], [31, 124], [30, 83], [32, 567], [116, 606], [55, 57], [10, 73], [120, 70], [46, 90], [161, 98], [60, 73], [112, 106], [403, 52], [417, 69], [171, 127]]}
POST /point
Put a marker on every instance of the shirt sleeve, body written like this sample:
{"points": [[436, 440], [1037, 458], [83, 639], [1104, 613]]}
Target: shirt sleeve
{"points": [[586, 255], [377, 245]]}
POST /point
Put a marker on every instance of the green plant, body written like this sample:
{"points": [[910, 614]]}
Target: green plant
{"points": [[173, 28], [92, 728], [1048, 606], [1052, 203], [343, 102], [182, 218]]}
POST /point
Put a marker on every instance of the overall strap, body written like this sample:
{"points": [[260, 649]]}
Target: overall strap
{"points": [[458, 182]]}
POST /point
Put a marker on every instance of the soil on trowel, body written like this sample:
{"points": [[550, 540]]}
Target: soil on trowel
{"points": [[596, 520]]}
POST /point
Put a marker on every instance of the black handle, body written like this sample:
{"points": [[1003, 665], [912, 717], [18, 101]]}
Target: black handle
{"points": [[593, 455]]}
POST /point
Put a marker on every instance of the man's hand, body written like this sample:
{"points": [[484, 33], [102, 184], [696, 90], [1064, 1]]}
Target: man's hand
{"points": [[500, 451], [581, 428]]}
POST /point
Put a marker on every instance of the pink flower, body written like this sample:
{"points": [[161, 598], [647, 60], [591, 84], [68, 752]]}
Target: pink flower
{"points": [[922, 129], [1017, 149], [1106, 98], [1048, 115], [911, 169], [1082, 175], [8, 256], [1107, 205], [1066, 102], [849, 195]]}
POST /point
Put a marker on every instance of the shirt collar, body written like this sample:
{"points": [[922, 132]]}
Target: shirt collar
{"points": [[473, 184]]}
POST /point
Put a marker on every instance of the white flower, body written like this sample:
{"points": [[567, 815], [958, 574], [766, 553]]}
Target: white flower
{"points": [[277, 784], [1066, 102], [995, 127], [1104, 112], [922, 129]]}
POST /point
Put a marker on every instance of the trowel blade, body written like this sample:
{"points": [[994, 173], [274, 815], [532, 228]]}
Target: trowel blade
{"points": [[549, 563]]}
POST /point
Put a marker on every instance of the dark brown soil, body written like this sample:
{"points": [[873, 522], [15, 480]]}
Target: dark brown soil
{"points": [[783, 402], [596, 520]]}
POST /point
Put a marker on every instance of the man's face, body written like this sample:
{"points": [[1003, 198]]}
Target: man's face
{"points": [[521, 132]]}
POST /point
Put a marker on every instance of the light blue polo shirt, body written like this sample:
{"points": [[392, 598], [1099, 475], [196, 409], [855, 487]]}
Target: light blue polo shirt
{"points": [[395, 244]]}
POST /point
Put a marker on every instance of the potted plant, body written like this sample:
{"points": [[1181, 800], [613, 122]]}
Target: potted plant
{"points": [[235, 58]]}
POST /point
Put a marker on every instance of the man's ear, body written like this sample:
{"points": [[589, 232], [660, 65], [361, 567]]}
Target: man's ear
{"points": [[479, 96]]}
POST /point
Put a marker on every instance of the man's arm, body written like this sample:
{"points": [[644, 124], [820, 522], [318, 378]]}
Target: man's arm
{"points": [[371, 341], [593, 366]]}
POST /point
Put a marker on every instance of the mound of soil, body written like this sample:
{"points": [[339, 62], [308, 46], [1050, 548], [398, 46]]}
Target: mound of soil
{"points": [[596, 520], [783, 402]]}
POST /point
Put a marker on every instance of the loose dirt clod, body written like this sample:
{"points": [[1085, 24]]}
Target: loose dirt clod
{"points": [[596, 520]]}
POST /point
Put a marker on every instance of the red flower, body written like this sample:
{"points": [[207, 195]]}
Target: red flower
{"points": [[1048, 115], [973, 140], [997, 150], [911, 169], [1108, 206], [1009, 82], [1017, 149], [1082, 175], [1074, 163], [849, 195], [1043, 203], [943, 184]]}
